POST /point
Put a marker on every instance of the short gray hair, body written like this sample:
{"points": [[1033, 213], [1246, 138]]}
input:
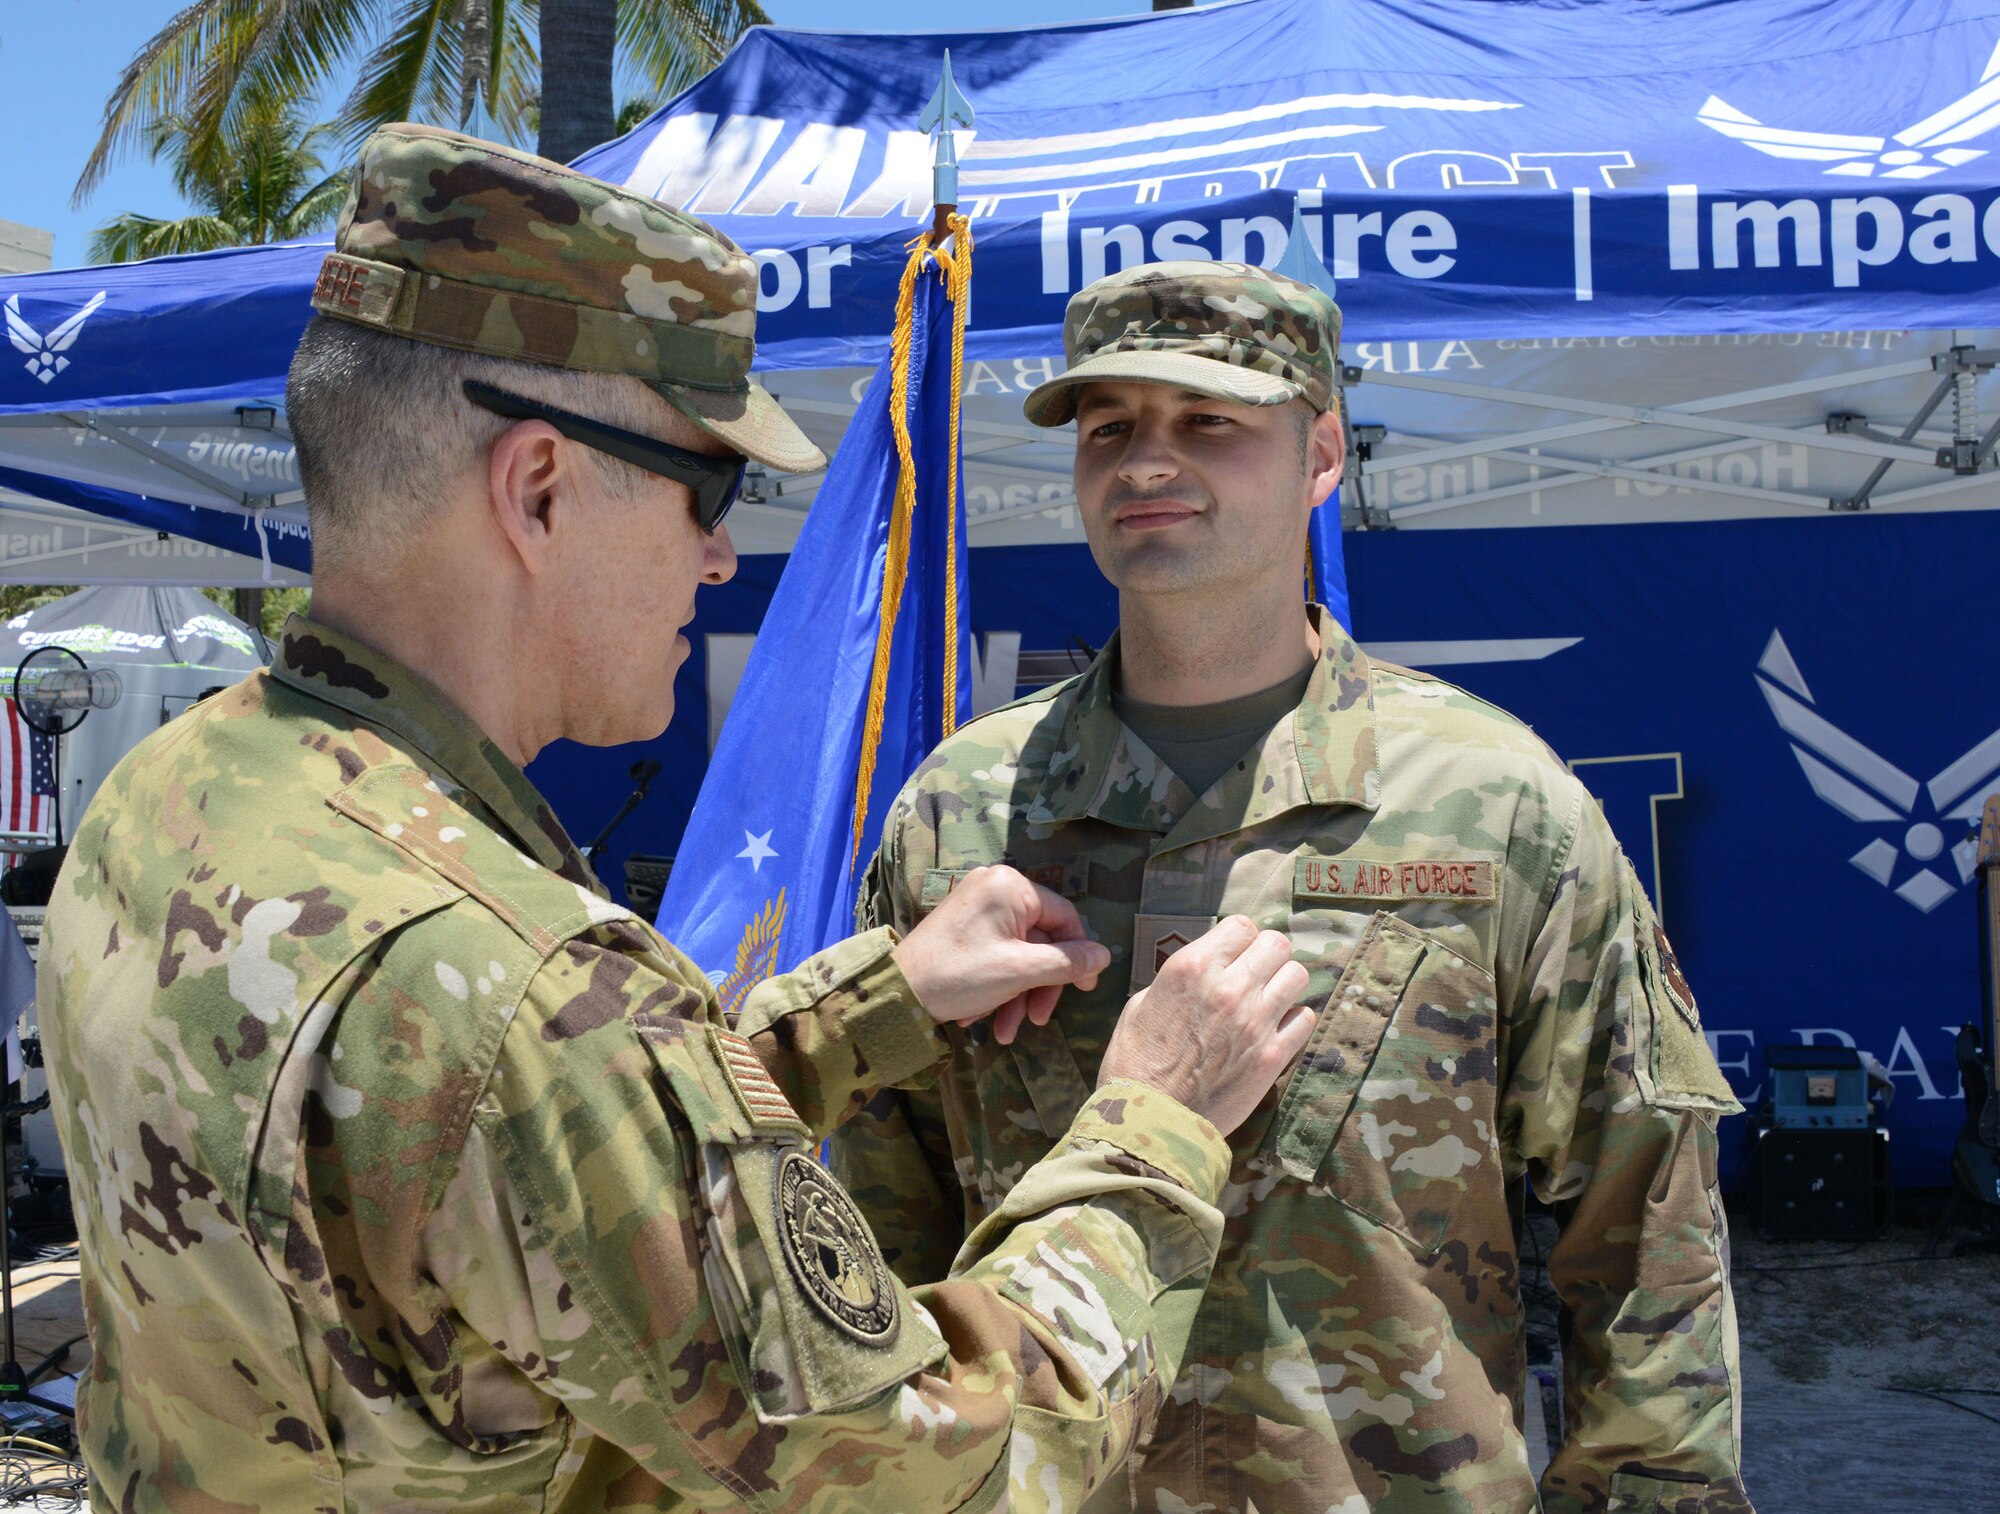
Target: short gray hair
{"points": [[380, 421]]}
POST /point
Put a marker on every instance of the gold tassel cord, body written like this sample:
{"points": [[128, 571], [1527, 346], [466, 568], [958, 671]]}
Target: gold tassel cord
{"points": [[955, 270]]}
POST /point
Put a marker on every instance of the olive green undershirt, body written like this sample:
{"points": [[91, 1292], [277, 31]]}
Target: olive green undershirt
{"points": [[1201, 742]]}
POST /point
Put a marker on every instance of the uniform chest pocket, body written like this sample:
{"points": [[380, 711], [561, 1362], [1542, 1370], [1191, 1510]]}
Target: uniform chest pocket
{"points": [[1390, 1107]]}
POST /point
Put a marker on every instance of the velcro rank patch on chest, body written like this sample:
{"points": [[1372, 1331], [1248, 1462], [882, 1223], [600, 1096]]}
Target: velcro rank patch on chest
{"points": [[1460, 880]]}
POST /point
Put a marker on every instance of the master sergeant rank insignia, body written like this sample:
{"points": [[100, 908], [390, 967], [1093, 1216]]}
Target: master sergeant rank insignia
{"points": [[832, 1252]]}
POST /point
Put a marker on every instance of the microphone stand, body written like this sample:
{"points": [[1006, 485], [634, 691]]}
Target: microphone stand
{"points": [[14, 1383], [642, 773]]}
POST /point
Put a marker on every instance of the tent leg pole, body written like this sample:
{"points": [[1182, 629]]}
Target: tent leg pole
{"points": [[250, 608]]}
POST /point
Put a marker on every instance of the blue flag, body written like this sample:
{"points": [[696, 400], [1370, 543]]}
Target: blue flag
{"points": [[1329, 562], [1326, 563], [766, 873]]}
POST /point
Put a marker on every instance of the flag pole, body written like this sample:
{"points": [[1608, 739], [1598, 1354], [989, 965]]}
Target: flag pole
{"points": [[1303, 263], [948, 108]]}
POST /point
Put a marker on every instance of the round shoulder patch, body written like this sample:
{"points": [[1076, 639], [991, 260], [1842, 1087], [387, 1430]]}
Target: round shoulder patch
{"points": [[831, 1252]]}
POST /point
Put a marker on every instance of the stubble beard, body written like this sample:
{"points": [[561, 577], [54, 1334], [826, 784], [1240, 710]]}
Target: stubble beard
{"points": [[1151, 563]]}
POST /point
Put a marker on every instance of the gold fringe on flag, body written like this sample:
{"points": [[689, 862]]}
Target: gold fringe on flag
{"points": [[954, 269]]}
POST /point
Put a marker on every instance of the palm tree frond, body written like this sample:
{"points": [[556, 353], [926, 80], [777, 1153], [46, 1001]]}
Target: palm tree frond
{"points": [[672, 43], [262, 181], [517, 70], [315, 208], [129, 237], [414, 68], [155, 83], [300, 46]]}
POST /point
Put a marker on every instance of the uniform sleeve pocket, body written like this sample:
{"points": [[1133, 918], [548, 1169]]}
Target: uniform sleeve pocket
{"points": [[812, 1318], [1677, 1069], [816, 1322]]}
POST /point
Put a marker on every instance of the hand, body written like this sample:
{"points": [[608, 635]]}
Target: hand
{"points": [[998, 945], [1218, 1025]]}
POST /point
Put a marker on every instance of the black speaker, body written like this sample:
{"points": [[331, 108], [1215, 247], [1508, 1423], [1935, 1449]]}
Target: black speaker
{"points": [[646, 883], [1823, 1185]]}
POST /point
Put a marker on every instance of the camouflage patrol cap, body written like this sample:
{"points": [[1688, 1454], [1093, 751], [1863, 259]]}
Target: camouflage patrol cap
{"points": [[467, 244], [1224, 329]]}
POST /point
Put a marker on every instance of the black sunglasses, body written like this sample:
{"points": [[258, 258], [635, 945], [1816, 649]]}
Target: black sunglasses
{"points": [[715, 481]]}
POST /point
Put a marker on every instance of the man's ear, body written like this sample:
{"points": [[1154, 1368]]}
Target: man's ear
{"points": [[1326, 456], [529, 483]]}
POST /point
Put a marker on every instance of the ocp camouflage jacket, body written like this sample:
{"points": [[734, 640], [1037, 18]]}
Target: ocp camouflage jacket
{"points": [[1496, 999], [411, 1172]]}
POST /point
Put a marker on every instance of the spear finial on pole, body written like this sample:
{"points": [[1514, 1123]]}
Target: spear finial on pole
{"points": [[1301, 261], [948, 108]]}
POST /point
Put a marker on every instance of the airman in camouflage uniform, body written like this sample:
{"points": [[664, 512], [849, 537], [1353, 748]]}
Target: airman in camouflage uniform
{"points": [[1498, 1001], [412, 1172]]}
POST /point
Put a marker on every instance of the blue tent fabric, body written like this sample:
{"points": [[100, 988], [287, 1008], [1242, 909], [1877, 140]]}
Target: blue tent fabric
{"points": [[232, 530], [765, 875], [1469, 169], [215, 326]]}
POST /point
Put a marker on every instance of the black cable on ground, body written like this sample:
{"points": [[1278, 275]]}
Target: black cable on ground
{"points": [[32, 1470], [1938, 1394], [1738, 1265]]}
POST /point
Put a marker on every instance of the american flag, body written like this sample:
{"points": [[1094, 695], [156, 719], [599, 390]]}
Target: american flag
{"points": [[27, 776]]}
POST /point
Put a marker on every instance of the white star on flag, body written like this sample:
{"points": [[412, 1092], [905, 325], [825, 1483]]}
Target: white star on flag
{"points": [[758, 849]]}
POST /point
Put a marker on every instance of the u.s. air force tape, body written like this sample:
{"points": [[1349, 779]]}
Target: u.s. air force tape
{"points": [[831, 1252], [1399, 880]]}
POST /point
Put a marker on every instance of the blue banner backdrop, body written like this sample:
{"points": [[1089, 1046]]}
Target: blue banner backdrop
{"points": [[1725, 678], [1464, 171]]}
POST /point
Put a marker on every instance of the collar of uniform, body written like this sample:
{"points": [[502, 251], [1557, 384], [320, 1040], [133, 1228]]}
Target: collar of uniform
{"points": [[1101, 769], [1334, 729], [321, 662], [1325, 754]]}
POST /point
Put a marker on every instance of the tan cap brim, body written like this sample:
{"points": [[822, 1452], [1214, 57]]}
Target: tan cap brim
{"points": [[1054, 403], [751, 422]]}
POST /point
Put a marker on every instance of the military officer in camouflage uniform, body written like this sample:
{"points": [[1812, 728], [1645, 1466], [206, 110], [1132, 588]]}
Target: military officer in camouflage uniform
{"points": [[1498, 1000], [410, 1171]]}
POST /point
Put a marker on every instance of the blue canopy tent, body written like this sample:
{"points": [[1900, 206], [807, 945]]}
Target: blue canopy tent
{"points": [[1703, 293]]}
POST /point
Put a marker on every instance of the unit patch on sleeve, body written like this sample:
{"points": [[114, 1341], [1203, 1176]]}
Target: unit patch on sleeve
{"points": [[832, 1253], [1458, 879]]}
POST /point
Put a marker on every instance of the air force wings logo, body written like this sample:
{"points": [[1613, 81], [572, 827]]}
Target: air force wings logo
{"points": [[1869, 789], [45, 353], [1927, 147]]}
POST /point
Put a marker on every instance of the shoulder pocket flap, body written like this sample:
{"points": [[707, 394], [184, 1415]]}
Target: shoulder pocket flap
{"points": [[718, 1084], [1677, 1071], [1322, 1086]]}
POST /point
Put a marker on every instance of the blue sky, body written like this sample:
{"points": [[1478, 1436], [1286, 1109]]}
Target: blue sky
{"points": [[59, 59]]}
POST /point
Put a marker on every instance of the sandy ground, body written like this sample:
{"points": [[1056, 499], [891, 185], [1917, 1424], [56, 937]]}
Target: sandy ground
{"points": [[1866, 1368]]}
